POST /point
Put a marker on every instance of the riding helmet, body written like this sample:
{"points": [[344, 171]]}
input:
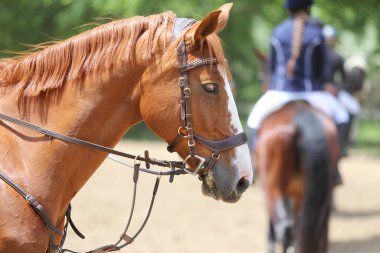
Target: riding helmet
{"points": [[297, 4]]}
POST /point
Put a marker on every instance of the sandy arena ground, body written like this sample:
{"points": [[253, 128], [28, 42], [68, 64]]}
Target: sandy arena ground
{"points": [[184, 221]]}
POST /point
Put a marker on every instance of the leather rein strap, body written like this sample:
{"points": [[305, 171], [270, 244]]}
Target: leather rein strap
{"points": [[44, 216], [41, 211], [66, 138], [32, 202]]}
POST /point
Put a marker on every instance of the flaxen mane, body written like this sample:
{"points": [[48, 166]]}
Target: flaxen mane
{"points": [[98, 49], [103, 48]]}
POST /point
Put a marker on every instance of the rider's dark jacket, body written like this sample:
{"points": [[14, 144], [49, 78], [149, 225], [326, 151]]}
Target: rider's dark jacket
{"points": [[312, 69], [337, 74]]}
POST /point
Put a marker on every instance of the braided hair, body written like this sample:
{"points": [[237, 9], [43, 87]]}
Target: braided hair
{"points": [[299, 26]]}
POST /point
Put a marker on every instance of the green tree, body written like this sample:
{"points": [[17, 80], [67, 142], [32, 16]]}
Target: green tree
{"points": [[30, 22]]}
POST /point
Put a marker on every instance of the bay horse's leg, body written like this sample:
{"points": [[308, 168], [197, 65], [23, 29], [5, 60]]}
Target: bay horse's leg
{"points": [[275, 161], [284, 227], [288, 240], [271, 238]]}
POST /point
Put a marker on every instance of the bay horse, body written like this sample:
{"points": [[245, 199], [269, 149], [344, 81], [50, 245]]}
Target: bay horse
{"points": [[296, 156], [94, 87]]}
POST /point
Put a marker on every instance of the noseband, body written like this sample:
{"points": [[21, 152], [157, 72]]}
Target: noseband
{"points": [[186, 128]]}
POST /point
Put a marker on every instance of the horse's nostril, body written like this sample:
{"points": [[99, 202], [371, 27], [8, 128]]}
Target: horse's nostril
{"points": [[242, 185]]}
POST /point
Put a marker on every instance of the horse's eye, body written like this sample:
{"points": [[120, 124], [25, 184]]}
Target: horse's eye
{"points": [[211, 88]]}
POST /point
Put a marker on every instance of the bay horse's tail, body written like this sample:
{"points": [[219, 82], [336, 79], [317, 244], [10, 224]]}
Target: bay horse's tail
{"points": [[312, 232]]}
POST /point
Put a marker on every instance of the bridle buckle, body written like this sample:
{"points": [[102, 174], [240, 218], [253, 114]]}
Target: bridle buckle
{"points": [[184, 135], [215, 156], [190, 143], [187, 90], [199, 166]]}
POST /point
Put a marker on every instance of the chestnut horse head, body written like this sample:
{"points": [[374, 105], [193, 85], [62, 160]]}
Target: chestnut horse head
{"points": [[296, 156], [98, 84], [213, 113]]}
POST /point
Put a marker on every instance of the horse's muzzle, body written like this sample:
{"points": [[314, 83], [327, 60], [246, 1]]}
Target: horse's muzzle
{"points": [[222, 186]]}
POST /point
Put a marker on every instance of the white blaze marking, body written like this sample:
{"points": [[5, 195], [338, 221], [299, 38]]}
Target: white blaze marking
{"points": [[242, 159]]}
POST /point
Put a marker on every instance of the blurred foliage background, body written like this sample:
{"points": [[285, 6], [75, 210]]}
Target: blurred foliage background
{"points": [[358, 22]]}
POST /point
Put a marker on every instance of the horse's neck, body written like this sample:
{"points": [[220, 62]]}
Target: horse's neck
{"points": [[102, 115], [99, 110]]}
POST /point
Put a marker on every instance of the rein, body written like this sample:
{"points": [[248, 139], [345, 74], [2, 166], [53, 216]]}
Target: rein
{"points": [[176, 167], [66, 138]]}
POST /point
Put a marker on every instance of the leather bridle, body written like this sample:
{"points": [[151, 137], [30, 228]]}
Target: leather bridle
{"points": [[186, 128], [177, 167]]}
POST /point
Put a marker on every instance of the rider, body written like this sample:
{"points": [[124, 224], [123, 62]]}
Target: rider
{"points": [[340, 79], [299, 68]]}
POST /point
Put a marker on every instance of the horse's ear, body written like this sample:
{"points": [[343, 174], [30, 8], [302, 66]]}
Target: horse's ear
{"points": [[213, 22], [207, 26], [224, 15]]}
